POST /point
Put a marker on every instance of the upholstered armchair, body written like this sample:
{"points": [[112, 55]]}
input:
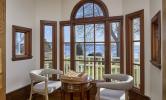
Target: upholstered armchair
{"points": [[41, 84], [119, 82]]}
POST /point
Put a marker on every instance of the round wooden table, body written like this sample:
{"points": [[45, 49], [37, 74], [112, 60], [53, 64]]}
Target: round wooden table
{"points": [[72, 87]]}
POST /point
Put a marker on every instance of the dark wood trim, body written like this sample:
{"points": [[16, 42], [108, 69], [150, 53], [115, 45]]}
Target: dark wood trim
{"points": [[156, 64], [54, 42], [122, 47], [163, 49], [107, 48], [72, 44], [3, 49], [28, 43], [82, 2], [89, 20], [115, 18], [156, 40], [62, 24], [120, 20], [129, 51], [133, 95]]}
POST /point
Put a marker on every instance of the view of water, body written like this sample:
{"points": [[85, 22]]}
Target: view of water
{"points": [[99, 49]]}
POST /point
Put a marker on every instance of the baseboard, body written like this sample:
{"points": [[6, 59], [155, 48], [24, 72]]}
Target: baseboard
{"points": [[19, 94]]}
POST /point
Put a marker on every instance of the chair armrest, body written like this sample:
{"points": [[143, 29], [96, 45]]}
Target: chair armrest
{"points": [[49, 71], [58, 72], [37, 78], [119, 77], [114, 85]]}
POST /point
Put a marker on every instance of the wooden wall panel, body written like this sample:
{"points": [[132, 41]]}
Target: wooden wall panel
{"points": [[137, 96]]}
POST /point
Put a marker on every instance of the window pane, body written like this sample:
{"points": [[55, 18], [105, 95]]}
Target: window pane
{"points": [[97, 11], [115, 31], [89, 33], [89, 51], [89, 69], [115, 52], [136, 75], [20, 43], [48, 46], [99, 66], [79, 66], [48, 33], [80, 13], [67, 51], [66, 66], [66, 33], [136, 29], [88, 10], [79, 33], [79, 49], [136, 52], [99, 32], [99, 51], [115, 68]]}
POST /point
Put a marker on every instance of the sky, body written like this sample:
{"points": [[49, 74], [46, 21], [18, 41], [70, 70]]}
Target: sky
{"points": [[48, 33]]}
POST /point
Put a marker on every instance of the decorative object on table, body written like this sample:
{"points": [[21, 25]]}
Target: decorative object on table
{"points": [[74, 76], [41, 84], [119, 82]]}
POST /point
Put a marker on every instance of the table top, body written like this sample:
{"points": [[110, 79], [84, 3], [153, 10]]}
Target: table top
{"points": [[88, 80]]}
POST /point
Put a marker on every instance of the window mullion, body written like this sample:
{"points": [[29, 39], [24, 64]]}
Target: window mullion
{"points": [[84, 48], [107, 48], [72, 47], [94, 27]]}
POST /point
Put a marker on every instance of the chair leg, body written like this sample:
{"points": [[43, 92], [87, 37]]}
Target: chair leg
{"points": [[46, 97], [126, 95], [30, 98]]}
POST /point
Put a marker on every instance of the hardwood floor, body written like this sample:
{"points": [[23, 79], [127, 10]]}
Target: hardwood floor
{"points": [[57, 95], [23, 94]]}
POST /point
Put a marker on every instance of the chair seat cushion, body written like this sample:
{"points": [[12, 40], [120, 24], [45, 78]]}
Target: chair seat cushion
{"points": [[108, 94], [52, 85]]}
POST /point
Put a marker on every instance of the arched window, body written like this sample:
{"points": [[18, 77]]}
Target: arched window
{"points": [[91, 40], [89, 9]]}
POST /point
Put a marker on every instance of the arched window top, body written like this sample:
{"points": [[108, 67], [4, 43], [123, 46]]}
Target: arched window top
{"points": [[89, 8]]}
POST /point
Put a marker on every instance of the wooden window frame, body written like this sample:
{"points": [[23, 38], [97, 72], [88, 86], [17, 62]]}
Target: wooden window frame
{"points": [[106, 20], [62, 24], [54, 42], [129, 51], [28, 43], [156, 51], [120, 20]]}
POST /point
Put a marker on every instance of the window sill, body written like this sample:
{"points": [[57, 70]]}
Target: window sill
{"points": [[17, 58], [156, 64]]}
